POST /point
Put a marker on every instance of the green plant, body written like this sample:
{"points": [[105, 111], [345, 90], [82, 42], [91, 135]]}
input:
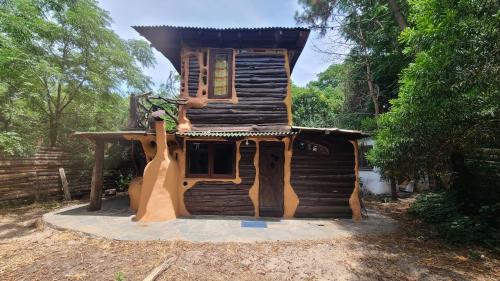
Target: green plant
{"points": [[123, 181], [12, 144], [119, 276], [442, 212]]}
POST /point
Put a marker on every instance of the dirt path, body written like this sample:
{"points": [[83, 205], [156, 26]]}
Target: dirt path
{"points": [[30, 251]]}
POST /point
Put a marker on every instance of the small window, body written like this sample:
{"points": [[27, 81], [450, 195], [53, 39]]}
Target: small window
{"points": [[210, 159], [198, 159], [221, 63]]}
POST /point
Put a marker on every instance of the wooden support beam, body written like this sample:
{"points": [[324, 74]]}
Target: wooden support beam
{"points": [[65, 185], [97, 177]]}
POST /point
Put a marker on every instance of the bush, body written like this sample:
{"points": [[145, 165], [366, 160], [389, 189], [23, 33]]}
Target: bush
{"points": [[442, 212], [12, 144]]}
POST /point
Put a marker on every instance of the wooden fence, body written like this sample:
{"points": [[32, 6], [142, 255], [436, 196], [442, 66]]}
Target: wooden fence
{"points": [[37, 177]]}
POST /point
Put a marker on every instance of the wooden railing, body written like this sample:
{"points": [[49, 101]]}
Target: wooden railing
{"points": [[143, 105]]}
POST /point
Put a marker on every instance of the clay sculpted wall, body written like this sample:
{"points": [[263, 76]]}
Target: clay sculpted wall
{"points": [[314, 185], [260, 94]]}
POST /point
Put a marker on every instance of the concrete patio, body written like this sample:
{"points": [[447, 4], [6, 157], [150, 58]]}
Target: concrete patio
{"points": [[114, 221]]}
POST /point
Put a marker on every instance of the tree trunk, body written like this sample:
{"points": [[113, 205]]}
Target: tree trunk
{"points": [[53, 128], [398, 16], [371, 88], [394, 188], [369, 76], [97, 177]]}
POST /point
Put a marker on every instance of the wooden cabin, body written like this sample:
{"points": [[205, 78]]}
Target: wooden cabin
{"points": [[235, 151]]}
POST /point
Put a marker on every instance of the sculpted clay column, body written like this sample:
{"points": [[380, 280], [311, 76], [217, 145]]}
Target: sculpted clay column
{"points": [[158, 199]]}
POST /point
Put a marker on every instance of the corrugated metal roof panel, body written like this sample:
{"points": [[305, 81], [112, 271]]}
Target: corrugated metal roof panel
{"points": [[235, 134], [327, 131], [224, 28]]}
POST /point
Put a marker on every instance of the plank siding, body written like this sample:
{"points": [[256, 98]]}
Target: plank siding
{"points": [[322, 182], [37, 177], [225, 198], [261, 84]]}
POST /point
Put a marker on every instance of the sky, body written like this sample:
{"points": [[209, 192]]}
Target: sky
{"points": [[214, 13]]}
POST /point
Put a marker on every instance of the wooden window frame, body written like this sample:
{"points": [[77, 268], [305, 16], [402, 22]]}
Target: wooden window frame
{"points": [[211, 65], [211, 173]]}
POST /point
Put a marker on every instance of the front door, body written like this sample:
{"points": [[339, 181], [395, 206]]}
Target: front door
{"points": [[271, 163]]}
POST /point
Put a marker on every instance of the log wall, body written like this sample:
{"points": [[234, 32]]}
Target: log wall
{"points": [[37, 177], [260, 81], [323, 179], [225, 198]]}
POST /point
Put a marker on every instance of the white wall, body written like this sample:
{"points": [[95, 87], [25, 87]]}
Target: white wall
{"points": [[373, 183]]}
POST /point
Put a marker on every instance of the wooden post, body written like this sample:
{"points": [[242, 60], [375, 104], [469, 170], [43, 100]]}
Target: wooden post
{"points": [[64, 182], [394, 188], [96, 185], [37, 186]]}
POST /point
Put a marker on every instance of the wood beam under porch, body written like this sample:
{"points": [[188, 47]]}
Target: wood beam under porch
{"points": [[97, 177], [100, 139]]}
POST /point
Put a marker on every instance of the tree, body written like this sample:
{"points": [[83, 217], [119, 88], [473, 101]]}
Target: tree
{"points": [[449, 100], [318, 104], [369, 31], [61, 56]]}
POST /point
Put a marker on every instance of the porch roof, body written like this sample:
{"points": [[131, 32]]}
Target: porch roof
{"points": [[353, 134], [110, 135]]}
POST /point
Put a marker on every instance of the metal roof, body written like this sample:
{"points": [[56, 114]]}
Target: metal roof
{"points": [[168, 39], [327, 131], [235, 134], [110, 135]]}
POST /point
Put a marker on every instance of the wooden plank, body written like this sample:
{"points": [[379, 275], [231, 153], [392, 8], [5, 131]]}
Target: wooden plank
{"points": [[157, 271], [64, 182], [271, 190]]}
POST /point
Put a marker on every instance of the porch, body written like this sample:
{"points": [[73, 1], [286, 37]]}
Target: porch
{"points": [[114, 221]]}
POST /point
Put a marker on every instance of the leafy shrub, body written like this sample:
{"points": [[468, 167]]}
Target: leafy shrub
{"points": [[442, 212], [123, 181], [12, 144]]}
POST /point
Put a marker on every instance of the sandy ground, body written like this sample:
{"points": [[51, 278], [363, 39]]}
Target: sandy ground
{"points": [[31, 251]]}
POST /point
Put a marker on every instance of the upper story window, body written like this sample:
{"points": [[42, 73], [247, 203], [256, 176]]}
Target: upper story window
{"points": [[221, 64]]}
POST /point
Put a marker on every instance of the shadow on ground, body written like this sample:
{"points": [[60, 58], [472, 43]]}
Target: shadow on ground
{"points": [[111, 207]]}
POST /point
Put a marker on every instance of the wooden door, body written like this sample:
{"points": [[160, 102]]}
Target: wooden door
{"points": [[271, 163]]}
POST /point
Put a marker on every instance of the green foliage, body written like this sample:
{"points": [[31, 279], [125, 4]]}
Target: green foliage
{"points": [[449, 100], [12, 144], [326, 102], [313, 107], [123, 181], [62, 68], [119, 276], [442, 212], [369, 33]]}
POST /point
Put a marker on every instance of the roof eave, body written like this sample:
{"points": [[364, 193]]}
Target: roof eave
{"points": [[158, 36]]}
